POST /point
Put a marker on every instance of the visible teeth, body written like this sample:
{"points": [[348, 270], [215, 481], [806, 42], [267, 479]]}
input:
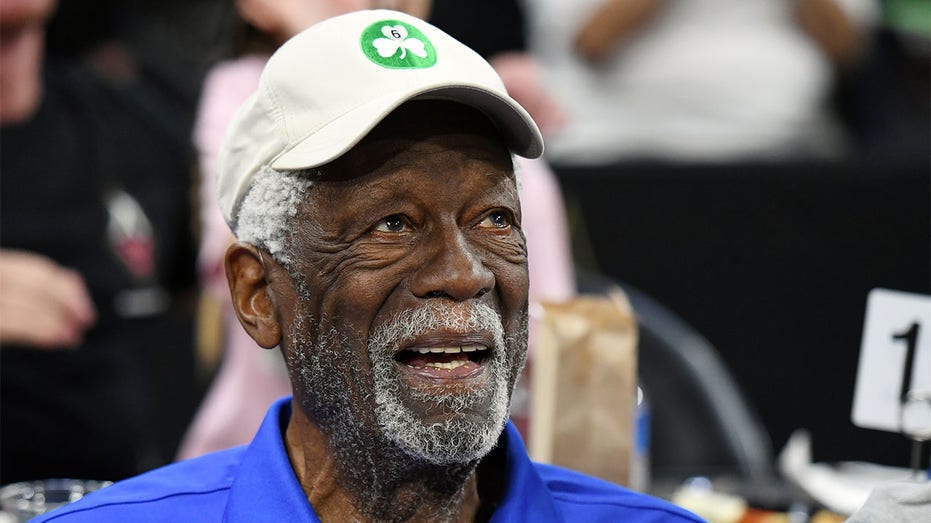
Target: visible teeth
{"points": [[450, 350], [448, 366]]}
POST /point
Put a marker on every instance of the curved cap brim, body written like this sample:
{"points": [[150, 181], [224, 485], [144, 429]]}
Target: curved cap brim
{"points": [[334, 139]]}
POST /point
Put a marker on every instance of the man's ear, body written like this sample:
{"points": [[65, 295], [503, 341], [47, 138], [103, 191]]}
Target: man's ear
{"points": [[254, 298]]}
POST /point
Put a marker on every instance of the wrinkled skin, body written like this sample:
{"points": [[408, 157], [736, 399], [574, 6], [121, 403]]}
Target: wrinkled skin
{"points": [[423, 211]]}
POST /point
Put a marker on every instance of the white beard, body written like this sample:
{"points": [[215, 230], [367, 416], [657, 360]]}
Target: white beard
{"points": [[380, 443], [326, 376], [457, 439]]}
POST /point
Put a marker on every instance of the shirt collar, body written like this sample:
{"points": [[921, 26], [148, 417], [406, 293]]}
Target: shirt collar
{"points": [[526, 497], [266, 489]]}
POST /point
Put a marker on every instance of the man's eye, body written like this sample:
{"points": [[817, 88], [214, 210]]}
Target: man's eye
{"points": [[496, 219], [392, 224]]}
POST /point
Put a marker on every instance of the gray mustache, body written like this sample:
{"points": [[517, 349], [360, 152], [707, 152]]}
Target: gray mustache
{"points": [[468, 317]]}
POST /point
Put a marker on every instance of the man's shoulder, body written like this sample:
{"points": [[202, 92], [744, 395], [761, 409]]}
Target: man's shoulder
{"points": [[578, 494], [175, 492]]}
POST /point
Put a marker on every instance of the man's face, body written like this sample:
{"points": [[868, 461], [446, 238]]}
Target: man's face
{"points": [[411, 272]]}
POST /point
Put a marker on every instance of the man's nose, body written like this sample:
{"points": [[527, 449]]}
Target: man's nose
{"points": [[453, 269]]}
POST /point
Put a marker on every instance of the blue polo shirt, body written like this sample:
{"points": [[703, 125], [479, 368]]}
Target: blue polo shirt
{"points": [[255, 483]]}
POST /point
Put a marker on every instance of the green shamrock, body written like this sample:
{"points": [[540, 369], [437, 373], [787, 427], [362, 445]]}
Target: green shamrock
{"points": [[397, 39], [382, 40]]}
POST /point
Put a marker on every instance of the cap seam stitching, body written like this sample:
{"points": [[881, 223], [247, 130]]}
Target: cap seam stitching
{"points": [[278, 114]]}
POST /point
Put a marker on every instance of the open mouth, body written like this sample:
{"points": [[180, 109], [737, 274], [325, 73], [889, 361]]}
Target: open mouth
{"points": [[445, 362]]}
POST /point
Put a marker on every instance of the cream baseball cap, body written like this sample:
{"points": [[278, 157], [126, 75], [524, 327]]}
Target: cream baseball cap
{"points": [[328, 86]]}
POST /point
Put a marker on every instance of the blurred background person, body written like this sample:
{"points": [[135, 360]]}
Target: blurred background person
{"points": [[885, 102], [249, 378], [96, 262], [696, 81]]}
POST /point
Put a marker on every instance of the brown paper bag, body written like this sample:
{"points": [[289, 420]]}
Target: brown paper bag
{"points": [[583, 386]]}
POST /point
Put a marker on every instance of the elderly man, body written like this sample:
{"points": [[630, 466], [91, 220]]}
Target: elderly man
{"points": [[370, 183]]}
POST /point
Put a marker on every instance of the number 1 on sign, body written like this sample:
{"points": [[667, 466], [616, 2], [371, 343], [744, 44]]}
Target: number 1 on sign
{"points": [[911, 340], [895, 359]]}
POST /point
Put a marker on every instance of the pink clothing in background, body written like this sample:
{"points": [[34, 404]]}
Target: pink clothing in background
{"points": [[250, 378]]}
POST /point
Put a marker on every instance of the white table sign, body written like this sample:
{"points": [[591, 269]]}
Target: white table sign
{"points": [[895, 357]]}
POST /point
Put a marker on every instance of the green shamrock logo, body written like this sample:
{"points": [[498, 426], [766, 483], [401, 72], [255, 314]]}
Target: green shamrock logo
{"points": [[397, 39], [397, 45]]}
